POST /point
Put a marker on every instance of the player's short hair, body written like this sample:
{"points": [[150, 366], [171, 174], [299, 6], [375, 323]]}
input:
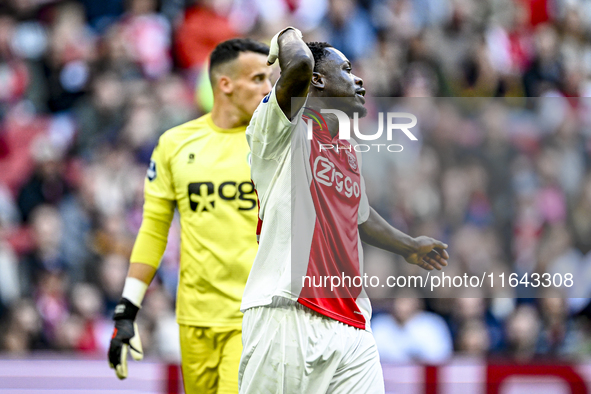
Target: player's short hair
{"points": [[319, 52], [230, 50]]}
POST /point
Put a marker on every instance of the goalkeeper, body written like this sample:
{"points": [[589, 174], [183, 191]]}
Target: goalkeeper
{"points": [[201, 167]]}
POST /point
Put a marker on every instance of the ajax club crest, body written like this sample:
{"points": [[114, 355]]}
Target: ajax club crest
{"points": [[352, 160]]}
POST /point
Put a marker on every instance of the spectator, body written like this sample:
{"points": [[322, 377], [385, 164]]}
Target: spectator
{"points": [[471, 320], [47, 255], [200, 31], [99, 115], [10, 283], [473, 339], [47, 184], [147, 34], [112, 273], [558, 336], [52, 303], [349, 28], [523, 331], [23, 330], [66, 65], [92, 326], [411, 334]]}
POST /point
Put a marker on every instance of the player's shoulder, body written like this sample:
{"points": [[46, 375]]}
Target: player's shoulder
{"points": [[260, 109], [269, 114], [267, 103], [187, 129], [178, 134]]}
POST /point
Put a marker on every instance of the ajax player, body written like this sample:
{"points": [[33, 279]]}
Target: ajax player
{"points": [[313, 214]]}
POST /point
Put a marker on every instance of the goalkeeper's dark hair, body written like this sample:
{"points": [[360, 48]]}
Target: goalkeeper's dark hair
{"points": [[319, 52], [229, 50]]}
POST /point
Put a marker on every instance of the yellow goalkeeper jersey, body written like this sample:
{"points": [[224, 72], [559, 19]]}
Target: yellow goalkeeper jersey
{"points": [[204, 170]]}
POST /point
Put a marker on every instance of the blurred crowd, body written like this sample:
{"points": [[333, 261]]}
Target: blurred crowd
{"points": [[87, 87], [506, 183]]}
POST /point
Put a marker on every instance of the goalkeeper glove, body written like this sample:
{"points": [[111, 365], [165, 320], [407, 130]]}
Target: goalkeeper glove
{"points": [[125, 337], [274, 46]]}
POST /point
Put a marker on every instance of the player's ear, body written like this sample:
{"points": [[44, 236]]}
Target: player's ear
{"points": [[317, 80], [225, 84]]}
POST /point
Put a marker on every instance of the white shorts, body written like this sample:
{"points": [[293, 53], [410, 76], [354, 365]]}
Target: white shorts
{"points": [[289, 348]]}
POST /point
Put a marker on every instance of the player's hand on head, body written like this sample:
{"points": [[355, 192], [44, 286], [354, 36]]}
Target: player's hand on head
{"points": [[274, 45], [125, 338], [429, 254]]}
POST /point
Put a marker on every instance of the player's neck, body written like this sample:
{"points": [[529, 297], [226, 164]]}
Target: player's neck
{"points": [[333, 124], [226, 117], [317, 103]]}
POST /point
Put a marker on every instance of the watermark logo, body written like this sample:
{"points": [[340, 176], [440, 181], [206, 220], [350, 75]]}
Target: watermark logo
{"points": [[389, 121]]}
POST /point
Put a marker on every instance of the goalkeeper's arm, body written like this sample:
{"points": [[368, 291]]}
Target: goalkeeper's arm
{"points": [[145, 259]]}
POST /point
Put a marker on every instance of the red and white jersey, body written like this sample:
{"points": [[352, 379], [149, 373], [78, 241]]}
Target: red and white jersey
{"points": [[311, 200]]}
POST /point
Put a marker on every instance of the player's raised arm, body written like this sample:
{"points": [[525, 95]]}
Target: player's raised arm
{"points": [[297, 64], [426, 252]]}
